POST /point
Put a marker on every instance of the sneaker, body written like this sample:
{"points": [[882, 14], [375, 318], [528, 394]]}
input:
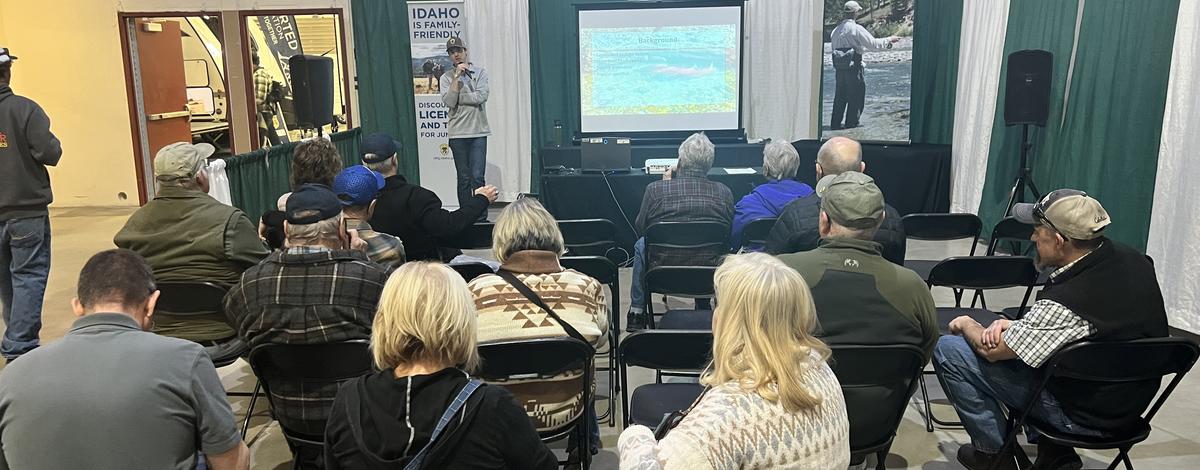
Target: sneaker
{"points": [[1055, 457], [635, 321], [976, 460]]}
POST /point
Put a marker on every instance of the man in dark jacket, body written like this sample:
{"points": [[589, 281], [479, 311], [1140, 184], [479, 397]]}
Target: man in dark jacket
{"points": [[797, 227], [27, 147], [415, 214]]}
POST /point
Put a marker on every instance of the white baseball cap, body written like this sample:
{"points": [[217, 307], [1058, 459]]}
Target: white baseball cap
{"points": [[852, 6]]}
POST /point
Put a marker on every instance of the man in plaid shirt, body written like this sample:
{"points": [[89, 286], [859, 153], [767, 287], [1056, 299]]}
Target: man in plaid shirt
{"points": [[688, 196], [262, 104], [1100, 291], [357, 187], [315, 291]]}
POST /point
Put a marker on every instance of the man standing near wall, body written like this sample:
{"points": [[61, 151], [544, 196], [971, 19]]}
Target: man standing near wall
{"points": [[26, 148], [465, 90]]}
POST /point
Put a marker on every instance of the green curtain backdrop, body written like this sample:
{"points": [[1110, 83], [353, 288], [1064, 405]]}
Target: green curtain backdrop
{"points": [[385, 92], [1108, 141], [347, 146], [258, 178], [937, 25]]}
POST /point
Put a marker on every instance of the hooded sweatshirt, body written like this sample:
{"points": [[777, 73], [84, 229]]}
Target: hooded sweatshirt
{"points": [[766, 201], [381, 422], [26, 148]]}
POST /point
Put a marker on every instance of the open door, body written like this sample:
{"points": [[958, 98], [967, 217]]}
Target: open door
{"points": [[160, 71]]}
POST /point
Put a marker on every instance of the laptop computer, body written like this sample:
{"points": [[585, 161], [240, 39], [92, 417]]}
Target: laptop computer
{"points": [[605, 154]]}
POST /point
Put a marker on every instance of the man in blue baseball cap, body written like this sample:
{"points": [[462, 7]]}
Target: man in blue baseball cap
{"points": [[357, 187]]}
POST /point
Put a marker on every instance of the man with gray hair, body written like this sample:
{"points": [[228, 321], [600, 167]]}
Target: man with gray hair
{"points": [[780, 163], [187, 236], [797, 228], [685, 194]]}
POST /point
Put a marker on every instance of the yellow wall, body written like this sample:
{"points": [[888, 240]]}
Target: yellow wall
{"points": [[70, 63]]}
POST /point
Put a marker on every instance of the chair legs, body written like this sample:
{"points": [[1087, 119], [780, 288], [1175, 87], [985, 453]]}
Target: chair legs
{"points": [[250, 409], [930, 419], [1123, 457]]}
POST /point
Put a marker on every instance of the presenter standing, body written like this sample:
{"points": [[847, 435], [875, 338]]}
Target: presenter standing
{"points": [[847, 42], [465, 91]]}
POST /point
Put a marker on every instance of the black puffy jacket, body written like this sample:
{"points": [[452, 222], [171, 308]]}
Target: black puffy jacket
{"points": [[797, 230]]}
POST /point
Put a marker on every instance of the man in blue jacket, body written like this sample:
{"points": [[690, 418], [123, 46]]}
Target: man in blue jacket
{"points": [[27, 147]]}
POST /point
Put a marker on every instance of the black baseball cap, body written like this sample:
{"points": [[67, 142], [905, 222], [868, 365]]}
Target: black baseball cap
{"points": [[378, 147], [312, 203]]}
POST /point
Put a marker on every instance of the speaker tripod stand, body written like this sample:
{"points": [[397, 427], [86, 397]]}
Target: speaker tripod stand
{"points": [[1024, 176]]}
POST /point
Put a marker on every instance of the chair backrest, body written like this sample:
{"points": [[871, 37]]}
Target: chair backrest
{"points": [[709, 236], [755, 233], [597, 267], [877, 382], [681, 281], [478, 236], [1010, 229], [667, 349], [943, 227], [588, 236], [190, 298], [470, 271], [984, 272], [310, 365], [540, 357]]}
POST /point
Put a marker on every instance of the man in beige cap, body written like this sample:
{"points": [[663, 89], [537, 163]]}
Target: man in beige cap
{"points": [[847, 42], [1100, 290], [187, 236]]}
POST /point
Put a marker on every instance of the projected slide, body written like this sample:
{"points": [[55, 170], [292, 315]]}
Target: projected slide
{"points": [[659, 69]]}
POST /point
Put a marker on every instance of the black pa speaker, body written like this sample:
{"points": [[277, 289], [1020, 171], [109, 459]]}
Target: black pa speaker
{"points": [[1027, 87], [312, 90]]}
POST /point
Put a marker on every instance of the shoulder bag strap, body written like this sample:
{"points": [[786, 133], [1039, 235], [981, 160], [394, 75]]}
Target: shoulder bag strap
{"points": [[452, 410], [537, 300]]}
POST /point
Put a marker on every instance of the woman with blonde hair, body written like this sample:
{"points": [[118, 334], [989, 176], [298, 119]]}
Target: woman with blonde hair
{"points": [[422, 405], [771, 401], [528, 244]]}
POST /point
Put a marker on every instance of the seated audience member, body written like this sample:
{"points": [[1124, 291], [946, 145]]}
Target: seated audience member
{"points": [[314, 291], [314, 161], [527, 242], [780, 163], [797, 228], [861, 297], [684, 195], [111, 395], [187, 236], [357, 187], [415, 214], [1100, 290], [771, 400], [423, 341]]}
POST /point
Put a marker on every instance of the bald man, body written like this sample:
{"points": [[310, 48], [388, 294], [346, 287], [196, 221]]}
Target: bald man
{"points": [[798, 226]]}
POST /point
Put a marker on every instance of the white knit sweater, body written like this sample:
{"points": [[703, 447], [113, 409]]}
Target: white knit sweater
{"points": [[734, 429]]}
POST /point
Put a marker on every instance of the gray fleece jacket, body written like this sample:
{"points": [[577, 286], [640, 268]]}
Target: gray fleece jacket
{"points": [[26, 147], [468, 114]]}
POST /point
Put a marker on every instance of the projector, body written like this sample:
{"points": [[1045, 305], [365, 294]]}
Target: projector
{"points": [[658, 166]]}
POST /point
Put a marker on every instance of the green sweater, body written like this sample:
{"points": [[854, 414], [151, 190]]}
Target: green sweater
{"points": [[862, 298], [186, 235]]}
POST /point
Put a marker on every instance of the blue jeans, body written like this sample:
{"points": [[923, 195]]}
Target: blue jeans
{"points": [[977, 388], [25, 257], [593, 432], [470, 162], [637, 287]]}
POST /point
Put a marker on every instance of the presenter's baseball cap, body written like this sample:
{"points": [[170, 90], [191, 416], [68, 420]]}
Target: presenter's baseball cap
{"points": [[310, 204], [181, 160], [378, 147], [1070, 212], [455, 42], [6, 57], [357, 186], [852, 6], [851, 199]]}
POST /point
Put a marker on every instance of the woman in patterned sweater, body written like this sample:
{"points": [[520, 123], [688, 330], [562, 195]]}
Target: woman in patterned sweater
{"points": [[772, 402], [528, 243]]}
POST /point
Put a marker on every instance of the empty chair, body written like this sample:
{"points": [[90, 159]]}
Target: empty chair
{"points": [[669, 350], [588, 237], [683, 244], [877, 382], [939, 227], [692, 282], [1018, 235], [754, 236]]}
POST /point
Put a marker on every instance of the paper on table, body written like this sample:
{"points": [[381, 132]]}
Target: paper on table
{"points": [[739, 171]]}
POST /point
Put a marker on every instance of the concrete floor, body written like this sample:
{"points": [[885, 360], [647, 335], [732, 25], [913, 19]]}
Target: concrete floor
{"points": [[1175, 443]]}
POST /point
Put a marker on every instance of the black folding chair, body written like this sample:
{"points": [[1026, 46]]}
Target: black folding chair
{"points": [[470, 271], [605, 272], [979, 273], [662, 350], [877, 382], [939, 227], [755, 233], [675, 237], [1109, 363], [544, 357], [477, 237], [692, 282], [1018, 235], [310, 365], [588, 237], [203, 298]]}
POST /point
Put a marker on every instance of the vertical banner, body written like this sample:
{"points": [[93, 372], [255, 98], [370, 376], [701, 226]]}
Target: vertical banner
{"points": [[283, 42], [431, 24]]}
